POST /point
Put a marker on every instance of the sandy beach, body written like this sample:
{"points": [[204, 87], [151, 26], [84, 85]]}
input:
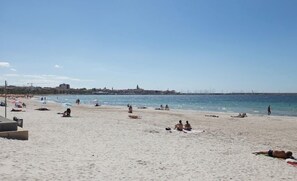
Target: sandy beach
{"points": [[103, 143]]}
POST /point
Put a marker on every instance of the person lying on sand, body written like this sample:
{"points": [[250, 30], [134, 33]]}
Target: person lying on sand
{"points": [[276, 154], [42, 109], [240, 115], [179, 126], [16, 110], [134, 116], [187, 126], [142, 107], [215, 116]]}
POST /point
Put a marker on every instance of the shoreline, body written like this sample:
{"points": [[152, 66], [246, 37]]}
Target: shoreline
{"points": [[179, 109], [275, 112]]}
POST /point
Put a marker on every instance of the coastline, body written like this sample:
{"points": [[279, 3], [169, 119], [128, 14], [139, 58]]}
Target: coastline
{"points": [[104, 143], [255, 104]]}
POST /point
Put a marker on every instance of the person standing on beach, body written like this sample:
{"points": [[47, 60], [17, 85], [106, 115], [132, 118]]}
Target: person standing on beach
{"points": [[269, 110]]}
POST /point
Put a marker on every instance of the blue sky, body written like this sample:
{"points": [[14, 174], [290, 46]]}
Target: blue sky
{"points": [[193, 45]]}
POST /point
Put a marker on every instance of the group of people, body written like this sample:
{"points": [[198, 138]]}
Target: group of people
{"points": [[242, 115], [181, 127], [163, 108]]}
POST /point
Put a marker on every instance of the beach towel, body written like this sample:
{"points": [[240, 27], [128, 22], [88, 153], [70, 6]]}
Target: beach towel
{"points": [[195, 131], [292, 162]]}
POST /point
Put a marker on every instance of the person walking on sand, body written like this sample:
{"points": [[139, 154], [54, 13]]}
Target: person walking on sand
{"points": [[269, 110]]}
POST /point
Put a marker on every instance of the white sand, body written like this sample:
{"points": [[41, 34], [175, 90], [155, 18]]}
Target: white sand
{"points": [[103, 143]]}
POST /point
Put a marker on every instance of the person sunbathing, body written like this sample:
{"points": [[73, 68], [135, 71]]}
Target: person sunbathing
{"points": [[16, 110], [134, 116], [167, 107], [187, 126], [215, 116], [179, 126], [240, 115], [276, 154]]}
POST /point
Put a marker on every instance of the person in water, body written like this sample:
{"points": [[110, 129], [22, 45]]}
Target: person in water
{"points": [[269, 110], [179, 126], [276, 153], [187, 126]]}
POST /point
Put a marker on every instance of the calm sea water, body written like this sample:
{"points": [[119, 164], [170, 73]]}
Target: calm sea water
{"points": [[254, 104]]}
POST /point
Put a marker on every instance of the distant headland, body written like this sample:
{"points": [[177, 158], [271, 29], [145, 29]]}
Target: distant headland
{"points": [[66, 89]]}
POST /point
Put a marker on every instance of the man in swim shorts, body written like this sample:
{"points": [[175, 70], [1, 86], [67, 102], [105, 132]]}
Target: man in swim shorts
{"points": [[179, 126], [276, 153]]}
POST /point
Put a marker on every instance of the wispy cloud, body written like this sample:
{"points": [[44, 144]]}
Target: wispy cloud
{"points": [[11, 75], [12, 69], [58, 66], [4, 64]]}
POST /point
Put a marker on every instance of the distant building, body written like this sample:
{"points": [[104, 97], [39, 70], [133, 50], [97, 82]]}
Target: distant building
{"points": [[64, 86]]}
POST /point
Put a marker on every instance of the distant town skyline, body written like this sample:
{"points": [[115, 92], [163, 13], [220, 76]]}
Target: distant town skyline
{"points": [[188, 46]]}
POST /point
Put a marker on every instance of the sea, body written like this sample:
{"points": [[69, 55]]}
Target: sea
{"points": [[281, 104]]}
